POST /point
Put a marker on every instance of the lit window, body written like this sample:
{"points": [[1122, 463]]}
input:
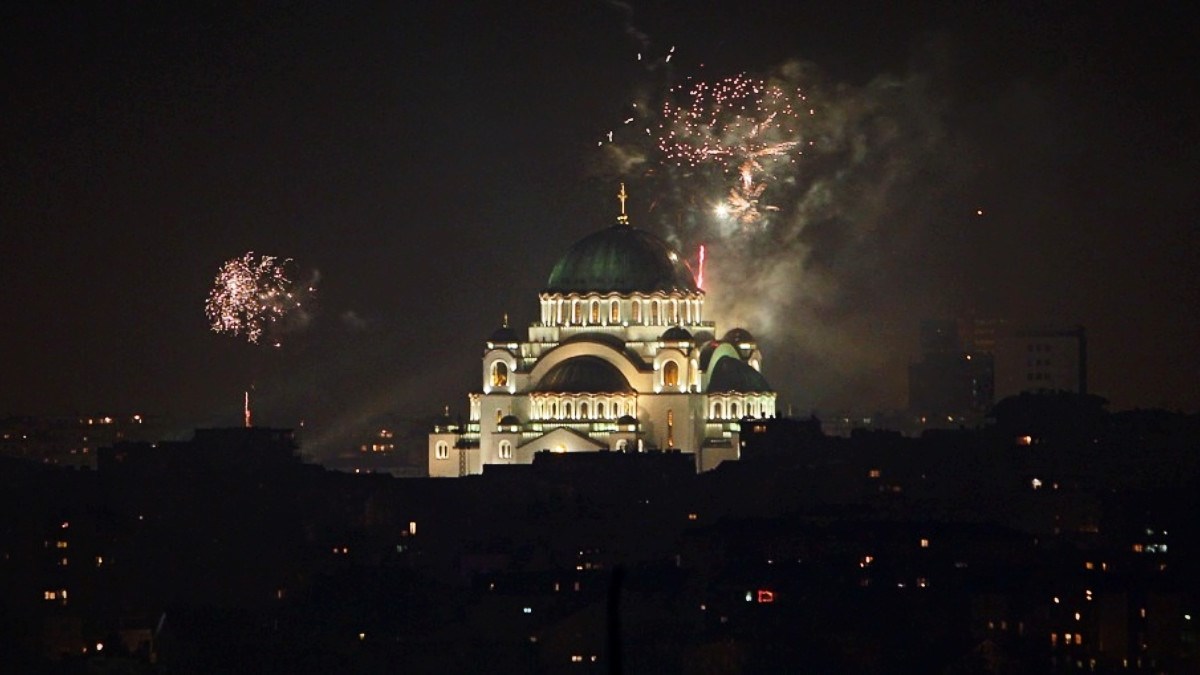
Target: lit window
{"points": [[505, 450], [595, 311], [671, 374], [499, 374], [654, 313], [636, 311], [614, 312], [924, 543], [442, 451], [873, 473]]}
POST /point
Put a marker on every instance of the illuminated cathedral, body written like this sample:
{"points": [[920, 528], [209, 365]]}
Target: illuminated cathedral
{"points": [[622, 360]]}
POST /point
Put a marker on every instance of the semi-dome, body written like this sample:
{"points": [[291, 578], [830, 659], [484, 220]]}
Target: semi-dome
{"points": [[676, 334], [621, 259], [510, 421], [733, 375], [584, 374]]}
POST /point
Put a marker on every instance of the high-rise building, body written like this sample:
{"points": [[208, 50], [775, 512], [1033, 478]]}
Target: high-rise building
{"points": [[967, 365], [1041, 359]]}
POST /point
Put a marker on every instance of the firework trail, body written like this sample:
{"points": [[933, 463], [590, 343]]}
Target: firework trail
{"points": [[256, 296]]}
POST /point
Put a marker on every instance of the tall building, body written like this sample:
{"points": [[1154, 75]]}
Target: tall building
{"points": [[1041, 359], [968, 365], [622, 359], [952, 381]]}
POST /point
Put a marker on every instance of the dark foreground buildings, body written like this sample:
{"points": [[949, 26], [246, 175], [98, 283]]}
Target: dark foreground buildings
{"points": [[1060, 539]]}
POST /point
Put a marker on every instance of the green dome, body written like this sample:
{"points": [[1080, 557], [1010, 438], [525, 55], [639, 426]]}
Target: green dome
{"points": [[732, 375], [621, 259]]}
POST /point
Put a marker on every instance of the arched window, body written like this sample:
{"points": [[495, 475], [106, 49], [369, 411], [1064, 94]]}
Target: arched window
{"points": [[670, 374], [583, 410], [671, 313], [558, 311], [614, 312], [733, 410], [595, 311], [635, 311], [442, 451], [567, 408], [600, 410], [553, 410], [574, 311], [499, 374], [622, 445], [654, 313], [505, 450], [499, 415], [718, 410]]}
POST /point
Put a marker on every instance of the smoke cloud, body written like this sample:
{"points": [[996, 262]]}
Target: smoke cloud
{"points": [[843, 258]]}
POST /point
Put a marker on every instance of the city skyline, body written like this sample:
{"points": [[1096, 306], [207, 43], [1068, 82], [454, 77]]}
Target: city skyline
{"points": [[429, 164]]}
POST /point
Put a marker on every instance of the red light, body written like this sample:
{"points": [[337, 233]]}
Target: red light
{"points": [[766, 596]]}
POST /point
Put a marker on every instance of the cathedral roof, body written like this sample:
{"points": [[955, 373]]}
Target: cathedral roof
{"points": [[584, 374], [676, 334], [621, 259], [504, 335], [737, 336], [730, 374]]}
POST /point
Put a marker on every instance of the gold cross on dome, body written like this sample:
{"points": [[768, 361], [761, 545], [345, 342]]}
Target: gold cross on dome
{"points": [[622, 195]]}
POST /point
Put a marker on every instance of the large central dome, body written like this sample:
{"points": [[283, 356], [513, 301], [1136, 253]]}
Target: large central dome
{"points": [[621, 259]]}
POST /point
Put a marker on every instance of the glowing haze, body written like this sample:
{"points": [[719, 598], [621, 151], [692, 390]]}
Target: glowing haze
{"points": [[802, 191]]}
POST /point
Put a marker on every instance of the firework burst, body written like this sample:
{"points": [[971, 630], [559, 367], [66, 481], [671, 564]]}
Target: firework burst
{"points": [[744, 125], [252, 295]]}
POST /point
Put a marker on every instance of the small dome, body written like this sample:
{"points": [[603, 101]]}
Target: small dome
{"points": [[737, 336], [621, 259], [626, 419], [510, 421], [584, 374], [504, 335], [730, 374], [676, 334]]}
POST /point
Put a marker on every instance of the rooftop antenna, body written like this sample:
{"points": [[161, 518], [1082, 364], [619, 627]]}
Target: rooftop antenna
{"points": [[623, 219]]}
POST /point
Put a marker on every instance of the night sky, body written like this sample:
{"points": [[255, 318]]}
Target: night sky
{"points": [[430, 161]]}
